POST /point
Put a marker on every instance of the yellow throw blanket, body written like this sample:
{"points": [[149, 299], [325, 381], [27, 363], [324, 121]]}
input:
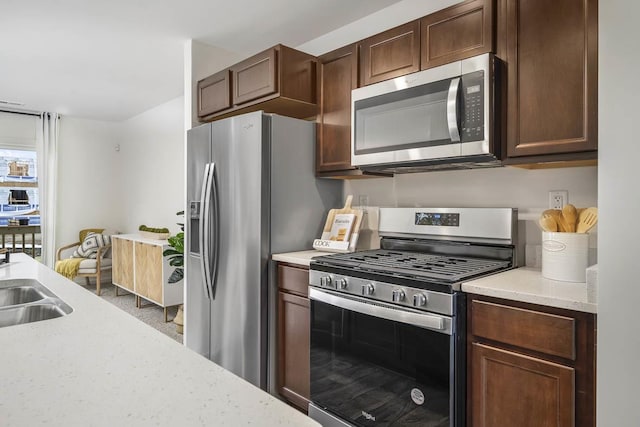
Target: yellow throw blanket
{"points": [[69, 267]]}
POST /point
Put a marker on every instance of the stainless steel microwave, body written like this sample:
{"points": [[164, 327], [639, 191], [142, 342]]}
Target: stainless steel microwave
{"points": [[441, 118]]}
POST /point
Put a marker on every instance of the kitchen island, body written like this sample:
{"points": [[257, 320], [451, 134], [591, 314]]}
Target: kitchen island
{"points": [[100, 366]]}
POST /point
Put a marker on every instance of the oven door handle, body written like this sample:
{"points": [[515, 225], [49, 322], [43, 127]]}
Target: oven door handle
{"points": [[434, 322]]}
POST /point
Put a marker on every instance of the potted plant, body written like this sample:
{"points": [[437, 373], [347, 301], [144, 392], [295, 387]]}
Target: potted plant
{"points": [[175, 254]]}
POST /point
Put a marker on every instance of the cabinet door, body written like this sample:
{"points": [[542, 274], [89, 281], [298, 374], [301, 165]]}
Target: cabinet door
{"points": [[255, 77], [457, 32], [510, 389], [293, 349], [390, 54], [337, 76], [551, 55], [122, 250], [148, 265], [214, 93]]}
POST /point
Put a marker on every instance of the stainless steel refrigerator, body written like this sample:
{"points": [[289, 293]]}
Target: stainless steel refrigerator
{"points": [[251, 192]]}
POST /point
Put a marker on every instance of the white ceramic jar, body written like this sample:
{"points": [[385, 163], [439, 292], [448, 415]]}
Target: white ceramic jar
{"points": [[565, 256]]}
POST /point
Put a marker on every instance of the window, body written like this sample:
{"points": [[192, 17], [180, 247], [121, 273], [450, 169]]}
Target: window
{"points": [[19, 198], [19, 186]]}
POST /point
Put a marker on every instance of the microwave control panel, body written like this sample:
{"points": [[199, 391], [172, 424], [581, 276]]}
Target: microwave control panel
{"points": [[473, 93]]}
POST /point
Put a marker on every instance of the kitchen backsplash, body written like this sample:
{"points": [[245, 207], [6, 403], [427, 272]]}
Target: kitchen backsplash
{"points": [[525, 189]]}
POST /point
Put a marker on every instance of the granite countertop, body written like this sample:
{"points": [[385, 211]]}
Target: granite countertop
{"points": [[100, 366], [527, 285]]}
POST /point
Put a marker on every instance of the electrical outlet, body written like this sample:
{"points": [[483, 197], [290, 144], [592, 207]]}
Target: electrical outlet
{"points": [[558, 198]]}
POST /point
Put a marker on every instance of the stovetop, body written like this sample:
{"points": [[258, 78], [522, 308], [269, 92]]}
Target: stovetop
{"points": [[426, 254], [440, 268]]}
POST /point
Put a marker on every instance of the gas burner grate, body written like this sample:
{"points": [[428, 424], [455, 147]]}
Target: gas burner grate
{"points": [[438, 267]]}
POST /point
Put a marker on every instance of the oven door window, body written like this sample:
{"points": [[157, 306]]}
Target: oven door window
{"points": [[375, 372]]}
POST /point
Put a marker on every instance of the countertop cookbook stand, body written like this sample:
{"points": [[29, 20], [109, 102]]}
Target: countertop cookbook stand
{"points": [[327, 244]]}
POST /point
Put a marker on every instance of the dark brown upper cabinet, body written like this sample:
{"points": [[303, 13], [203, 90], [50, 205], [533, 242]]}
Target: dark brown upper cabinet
{"points": [[214, 93], [255, 77], [278, 80], [550, 49], [390, 54], [337, 76], [457, 32]]}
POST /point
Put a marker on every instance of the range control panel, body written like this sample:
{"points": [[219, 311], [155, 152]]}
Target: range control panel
{"points": [[437, 219]]}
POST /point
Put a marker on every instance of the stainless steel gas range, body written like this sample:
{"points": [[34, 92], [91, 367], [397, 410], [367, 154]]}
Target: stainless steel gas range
{"points": [[388, 326]]}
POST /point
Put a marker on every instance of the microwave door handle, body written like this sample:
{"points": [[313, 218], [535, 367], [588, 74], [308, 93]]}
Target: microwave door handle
{"points": [[204, 230], [452, 110]]}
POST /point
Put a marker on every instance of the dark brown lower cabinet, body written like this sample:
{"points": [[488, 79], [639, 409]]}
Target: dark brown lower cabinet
{"points": [[529, 365], [511, 389], [293, 335]]}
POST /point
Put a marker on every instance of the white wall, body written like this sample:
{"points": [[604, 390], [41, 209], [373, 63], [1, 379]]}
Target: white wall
{"points": [[89, 179], [151, 168], [511, 187], [495, 187], [389, 17], [619, 292], [142, 183]]}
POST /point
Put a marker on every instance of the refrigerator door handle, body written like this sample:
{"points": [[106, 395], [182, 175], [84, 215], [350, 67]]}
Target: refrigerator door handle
{"points": [[204, 230], [213, 269]]}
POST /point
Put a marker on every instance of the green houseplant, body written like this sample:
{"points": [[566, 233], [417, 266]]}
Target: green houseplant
{"points": [[175, 254]]}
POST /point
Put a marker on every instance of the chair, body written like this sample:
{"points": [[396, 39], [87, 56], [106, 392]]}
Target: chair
{"points": [[90, 267]]}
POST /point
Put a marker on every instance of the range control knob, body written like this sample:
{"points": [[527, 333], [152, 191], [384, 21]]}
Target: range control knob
{"points": [[368, 289], [398, 295], [341, 284], [325, 281], [419, 300]]}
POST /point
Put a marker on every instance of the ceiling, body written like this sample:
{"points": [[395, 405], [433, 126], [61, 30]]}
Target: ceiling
{"points": [[113, 60]]}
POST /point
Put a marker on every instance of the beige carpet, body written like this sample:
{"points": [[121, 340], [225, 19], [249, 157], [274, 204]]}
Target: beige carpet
{"points": [[150, 314]]}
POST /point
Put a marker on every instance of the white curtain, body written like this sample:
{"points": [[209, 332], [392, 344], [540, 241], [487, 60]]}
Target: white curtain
{"points": [[47, 148]]}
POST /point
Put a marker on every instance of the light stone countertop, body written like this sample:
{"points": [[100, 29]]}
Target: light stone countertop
{"points": [[99, 366], [300, 258], [527, 285]]}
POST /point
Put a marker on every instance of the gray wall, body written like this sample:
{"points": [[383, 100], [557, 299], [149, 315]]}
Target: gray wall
{"points": [[618, 174]]}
